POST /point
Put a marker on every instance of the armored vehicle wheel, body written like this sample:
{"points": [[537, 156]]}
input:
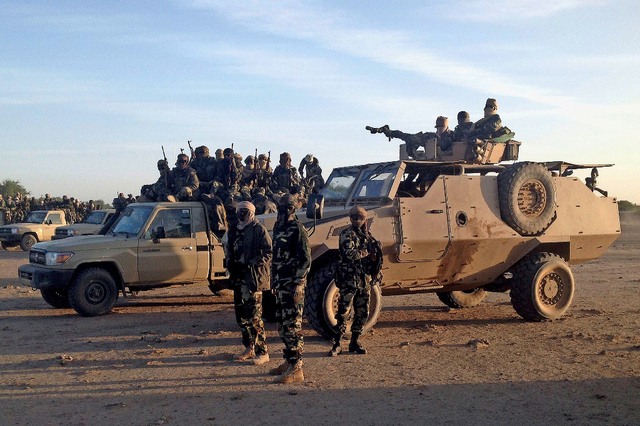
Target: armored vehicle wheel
{"points": [[462, 299], [27, 241], [57, 298], [542, 287], [93, 292], [321, 303], [527, 197]]}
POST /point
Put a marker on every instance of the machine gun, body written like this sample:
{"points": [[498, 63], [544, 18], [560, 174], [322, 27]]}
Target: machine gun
{"points": [[384, 129], [193, 153]]}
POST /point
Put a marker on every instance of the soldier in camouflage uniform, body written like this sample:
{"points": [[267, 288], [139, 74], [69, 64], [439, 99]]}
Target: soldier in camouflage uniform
{"points": [[227, 173], [263, 172], [184, 180], [416, 140], [204, 165], [490, 125], [290, 266], [249, 256], [311, 174], [357, 252], [158, 191], [285, 176], [464, 126]]}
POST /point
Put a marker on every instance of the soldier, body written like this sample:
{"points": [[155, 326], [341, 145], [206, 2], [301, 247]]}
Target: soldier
{"points": [[290, 266], [227, 173], [263, 204], [417, 140], [204, 165], [464, 126], [358, 251], [285, 176], [249, 262], [158, 191], [248, 180], [184, 180], [490, 126], [130, 199], [312, 179], [263, 172]]}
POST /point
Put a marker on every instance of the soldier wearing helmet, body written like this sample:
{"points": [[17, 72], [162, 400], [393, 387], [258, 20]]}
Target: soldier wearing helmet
{"points": [[463, 127], [184, 180], [285, 176], [414, 141], [354, 279], [290, 266], [204, 165], [490, 125]]}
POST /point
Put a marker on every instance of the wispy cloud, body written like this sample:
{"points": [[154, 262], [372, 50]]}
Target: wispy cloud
{"points": [[513, 10]]}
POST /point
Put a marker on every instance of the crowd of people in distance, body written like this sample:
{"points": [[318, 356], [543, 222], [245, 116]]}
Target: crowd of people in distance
{"points": [[227, 179], [16, 209]]}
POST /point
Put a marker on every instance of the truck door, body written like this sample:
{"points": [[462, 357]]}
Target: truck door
{"points": [[51, 222], [167, 250], [424, 233]]}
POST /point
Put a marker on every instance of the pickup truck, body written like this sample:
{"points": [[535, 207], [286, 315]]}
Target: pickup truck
{"points": [[151, 245], [91, 225], [40, 225]]}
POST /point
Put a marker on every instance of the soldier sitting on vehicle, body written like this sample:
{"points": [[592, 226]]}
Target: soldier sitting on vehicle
{"points": [[184, 181], [490, 126], [464, 126], [311, 174]]}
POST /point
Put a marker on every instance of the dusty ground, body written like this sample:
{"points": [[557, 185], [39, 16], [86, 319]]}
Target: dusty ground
{"points": [[164, 358]]}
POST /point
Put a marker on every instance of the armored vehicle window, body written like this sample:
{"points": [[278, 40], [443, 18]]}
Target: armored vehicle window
{"points": [[36, 217], [131, 220], [176, 224], [54, 218], [375, 184], [338, 186], [95, 217]]}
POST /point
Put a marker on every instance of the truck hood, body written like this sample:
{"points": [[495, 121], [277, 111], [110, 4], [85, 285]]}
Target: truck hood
{"points": [[19, 225], [88, 242], [82, 227]]}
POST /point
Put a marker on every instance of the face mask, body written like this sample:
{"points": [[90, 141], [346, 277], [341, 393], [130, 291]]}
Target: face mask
{"points": [[357, 221], [243, 214]]}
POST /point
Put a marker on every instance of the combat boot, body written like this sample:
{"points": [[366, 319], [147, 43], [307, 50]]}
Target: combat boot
{"points": [[292, 375], [261, 359], [246, 355], [355, 346], [337, 346], [281, 369]]}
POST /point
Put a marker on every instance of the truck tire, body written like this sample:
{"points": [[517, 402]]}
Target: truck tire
{"points": [[527, 198], [27, 241], [462, 299], [59, 299], [321, 303], [93, 292], [542, 287]]}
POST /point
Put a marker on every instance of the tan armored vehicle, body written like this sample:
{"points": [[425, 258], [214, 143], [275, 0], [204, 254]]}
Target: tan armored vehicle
{"points": [[91, 225], [40, 225], [460, 228]]}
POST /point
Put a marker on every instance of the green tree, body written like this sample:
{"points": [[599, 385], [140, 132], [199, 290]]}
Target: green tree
{"points": [[9, 188], [100, 202], [626, 206]]}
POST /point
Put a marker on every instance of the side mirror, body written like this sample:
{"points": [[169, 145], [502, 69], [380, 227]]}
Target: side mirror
{"points": [[159, 234], [315, 206], [49, 222]]}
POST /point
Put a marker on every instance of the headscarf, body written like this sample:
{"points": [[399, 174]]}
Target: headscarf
{"points": [[252, 212]]}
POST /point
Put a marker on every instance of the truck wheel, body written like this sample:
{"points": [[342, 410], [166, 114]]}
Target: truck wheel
{"points": [[57, 298], [462, 299], [527, 197], [542, 287], [27, 241], [321, 303], [93, 292]]}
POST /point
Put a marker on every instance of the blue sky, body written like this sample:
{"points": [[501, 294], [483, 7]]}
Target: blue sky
{"points": [[90, 90]]}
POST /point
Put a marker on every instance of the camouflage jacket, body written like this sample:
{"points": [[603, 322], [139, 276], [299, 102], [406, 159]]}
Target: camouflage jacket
{"points": [[249, 255], [285, 178], [353, 263], [181, 178], [227, 174], [263, 177], [205, 167], [462, 130], [291, 252], [486, 128], [416, 140]]}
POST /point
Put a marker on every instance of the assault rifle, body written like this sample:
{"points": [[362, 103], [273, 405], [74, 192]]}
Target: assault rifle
{"points": [[193, 153], [384, 129]]}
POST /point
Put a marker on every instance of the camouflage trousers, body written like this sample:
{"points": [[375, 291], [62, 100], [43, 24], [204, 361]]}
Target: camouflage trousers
{"points": [[350, 293], [289, 319], [248, 307]]}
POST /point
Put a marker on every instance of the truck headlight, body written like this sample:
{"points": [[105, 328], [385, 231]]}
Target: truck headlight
{"points": [[54, 258], [16, 230], [72, 233]]}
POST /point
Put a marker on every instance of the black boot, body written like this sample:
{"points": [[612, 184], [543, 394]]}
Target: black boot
{"points": [[355, 346], [337, 346]]}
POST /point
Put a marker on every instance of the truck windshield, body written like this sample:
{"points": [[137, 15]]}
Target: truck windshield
{"points": [[35, 217], [95, 218], [131, 221], [377, 182], [339, 184]]}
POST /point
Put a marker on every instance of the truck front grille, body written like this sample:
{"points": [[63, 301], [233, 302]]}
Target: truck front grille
{"points": [[61, 232], [36, 256], [5, 230]]}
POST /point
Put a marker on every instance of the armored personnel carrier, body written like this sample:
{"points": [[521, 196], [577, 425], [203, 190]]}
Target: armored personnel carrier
{"points": [[461, 224]]}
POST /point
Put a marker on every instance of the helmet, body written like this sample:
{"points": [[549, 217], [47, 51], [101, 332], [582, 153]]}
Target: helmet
{"points": [[463, 115], [227, 151], [491, 103], [202, 151], [442, 121]]}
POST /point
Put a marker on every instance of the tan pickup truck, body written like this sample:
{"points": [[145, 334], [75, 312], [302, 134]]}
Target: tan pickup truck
{"points": [[91, 225], [39, 226], [151, 245]]}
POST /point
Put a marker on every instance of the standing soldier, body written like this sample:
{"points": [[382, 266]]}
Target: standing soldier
{"points": [[285, 176], [312, 179], [249, 263], [291, 263], [360, 258]]}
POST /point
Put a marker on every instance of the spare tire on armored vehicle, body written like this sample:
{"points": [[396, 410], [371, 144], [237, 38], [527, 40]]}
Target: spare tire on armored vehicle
{"points": [[527, 197]]}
